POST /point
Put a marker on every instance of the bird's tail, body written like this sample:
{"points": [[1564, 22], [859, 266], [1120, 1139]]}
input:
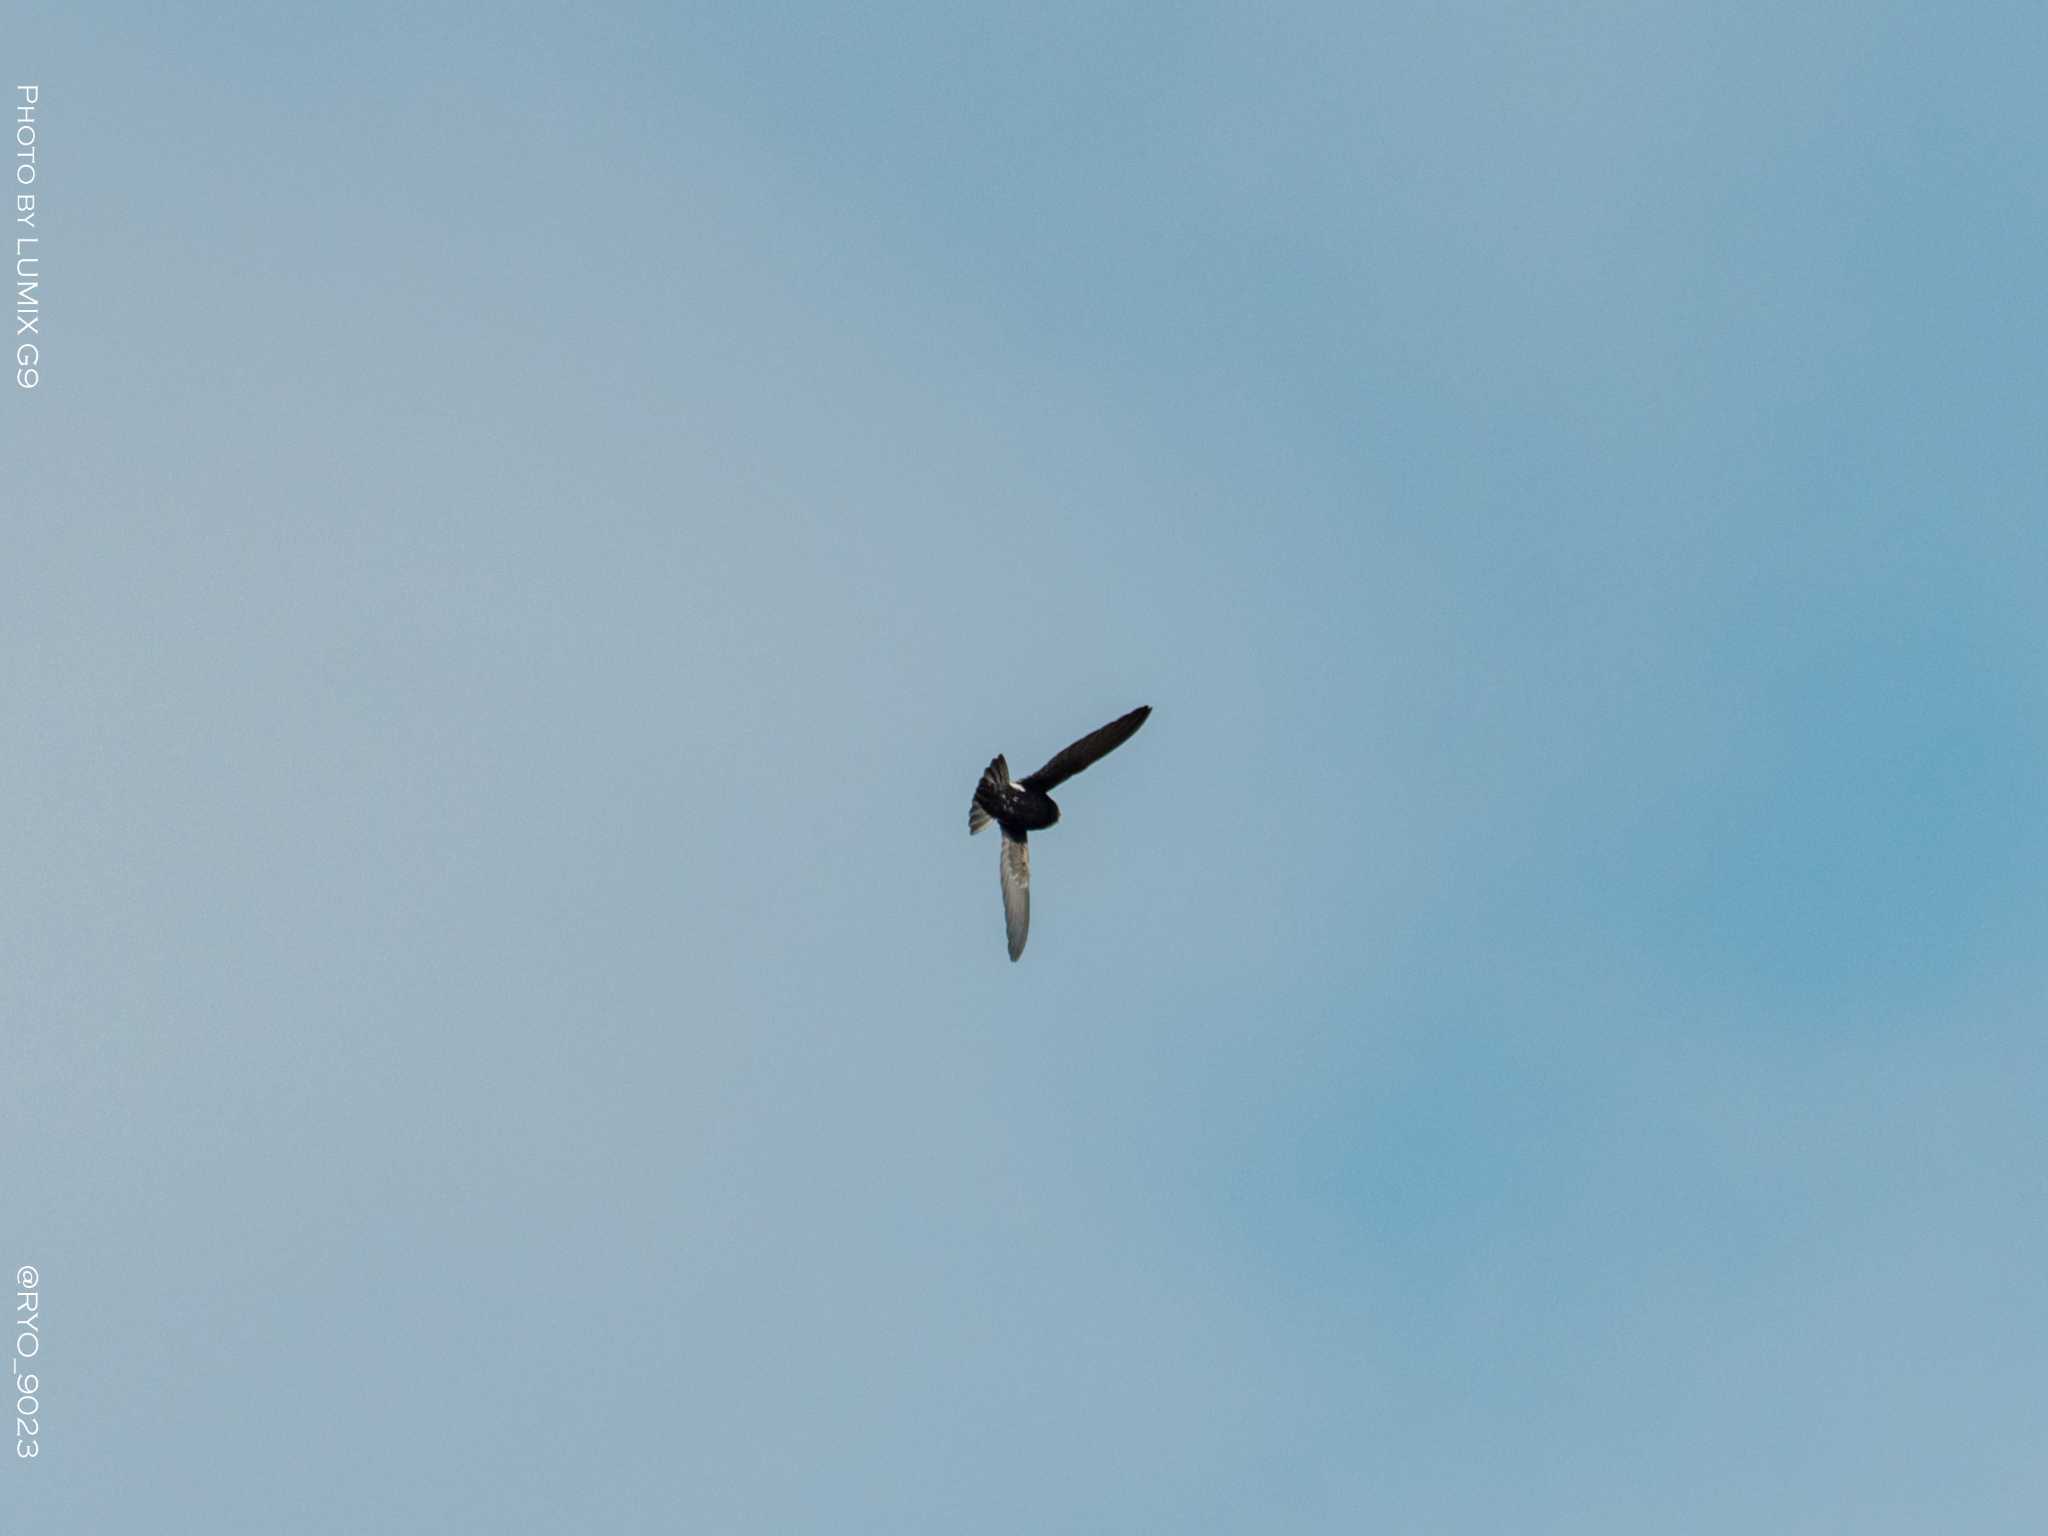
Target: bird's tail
{"points": [[994, 780]]}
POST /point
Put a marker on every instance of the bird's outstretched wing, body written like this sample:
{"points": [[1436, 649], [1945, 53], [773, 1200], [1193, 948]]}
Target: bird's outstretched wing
{"points": [[1096, 744], [1016, 889]]}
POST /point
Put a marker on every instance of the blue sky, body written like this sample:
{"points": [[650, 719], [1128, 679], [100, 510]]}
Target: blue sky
{"points": [[532, 525]]}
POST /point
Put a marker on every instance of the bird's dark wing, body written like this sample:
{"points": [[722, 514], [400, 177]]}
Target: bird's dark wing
{"points": [[1085, 751], [1016, 889]]}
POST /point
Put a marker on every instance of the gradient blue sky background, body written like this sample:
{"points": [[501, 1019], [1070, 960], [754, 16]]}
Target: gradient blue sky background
{"points": [[532, 525]]}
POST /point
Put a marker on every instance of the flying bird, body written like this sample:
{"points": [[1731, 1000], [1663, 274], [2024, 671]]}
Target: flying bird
{"points": [[1024, 807]]}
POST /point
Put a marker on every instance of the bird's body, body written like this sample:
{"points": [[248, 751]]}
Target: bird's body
{"points": [[1017, 808], [1022, 806]]}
